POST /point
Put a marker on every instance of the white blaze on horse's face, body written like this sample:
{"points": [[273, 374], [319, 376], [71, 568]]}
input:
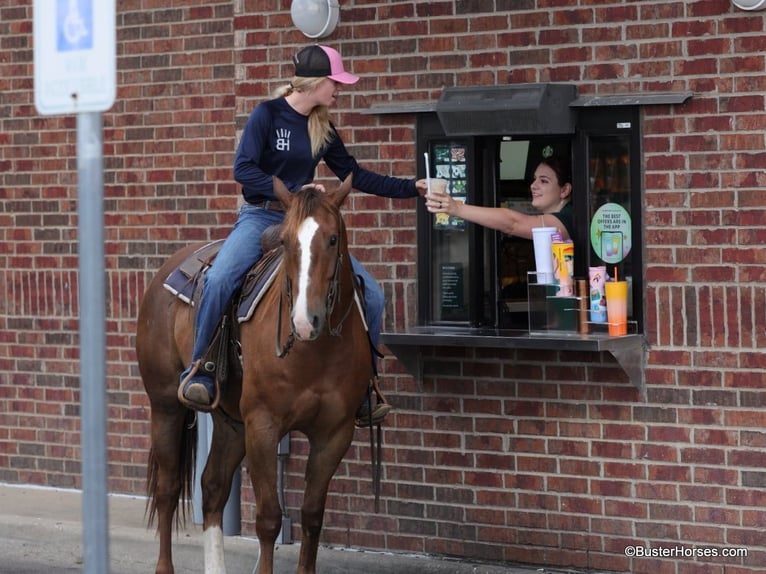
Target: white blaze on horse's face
{"points": [[303, 321]]}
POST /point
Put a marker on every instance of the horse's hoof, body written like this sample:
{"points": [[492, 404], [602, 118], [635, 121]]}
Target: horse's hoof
{"points": [[365, 419]]}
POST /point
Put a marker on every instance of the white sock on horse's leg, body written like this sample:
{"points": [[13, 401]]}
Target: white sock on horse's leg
{"points": [[214, 563]]}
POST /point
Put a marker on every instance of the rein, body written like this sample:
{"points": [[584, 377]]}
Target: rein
{"points": [[332, 298], [281, 352]]}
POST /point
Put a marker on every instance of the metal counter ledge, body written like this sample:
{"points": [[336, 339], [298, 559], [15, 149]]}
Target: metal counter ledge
{"points": [[628, 350]]}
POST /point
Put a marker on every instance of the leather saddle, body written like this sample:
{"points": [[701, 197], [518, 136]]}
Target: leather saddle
{"points": [[221, 359], [186, 281]]}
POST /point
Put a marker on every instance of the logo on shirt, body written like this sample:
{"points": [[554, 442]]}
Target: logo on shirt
{"points": [[283, 139]]}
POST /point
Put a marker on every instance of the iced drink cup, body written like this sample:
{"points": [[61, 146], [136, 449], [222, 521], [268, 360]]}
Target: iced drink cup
{"points": [[438, 184], [617, 307]]}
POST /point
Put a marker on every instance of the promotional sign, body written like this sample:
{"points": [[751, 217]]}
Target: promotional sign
{"points": [[610, 233], [74, 55]]}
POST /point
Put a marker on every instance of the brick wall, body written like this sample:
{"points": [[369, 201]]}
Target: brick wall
{"points": [[168, 148], [539, 457]]}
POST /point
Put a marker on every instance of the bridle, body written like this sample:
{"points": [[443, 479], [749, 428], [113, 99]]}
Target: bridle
{"points": [[333, 294]]}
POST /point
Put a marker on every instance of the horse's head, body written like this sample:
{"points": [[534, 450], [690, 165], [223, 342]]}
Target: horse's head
{"points": [[315, 245]]}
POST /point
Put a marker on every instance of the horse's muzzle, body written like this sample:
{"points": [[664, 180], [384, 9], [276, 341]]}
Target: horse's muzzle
{"points": [[307, 328]]}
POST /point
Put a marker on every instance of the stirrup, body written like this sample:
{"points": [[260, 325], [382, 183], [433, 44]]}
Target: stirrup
{"points": [[199, 406], [374, 382], [368, 415], [364, 419]]}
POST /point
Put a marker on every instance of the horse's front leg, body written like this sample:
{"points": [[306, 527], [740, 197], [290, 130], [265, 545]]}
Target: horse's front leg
{"points": [[262, 440], [324, 458], [227, 449]]}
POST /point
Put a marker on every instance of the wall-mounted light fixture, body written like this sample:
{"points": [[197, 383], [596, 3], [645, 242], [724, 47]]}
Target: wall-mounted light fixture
{"points": [[750, 4], [315, 18]]}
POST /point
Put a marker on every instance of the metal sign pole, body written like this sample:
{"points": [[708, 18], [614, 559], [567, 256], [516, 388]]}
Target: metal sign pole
{"points": [[75, 72], [90, 209]]}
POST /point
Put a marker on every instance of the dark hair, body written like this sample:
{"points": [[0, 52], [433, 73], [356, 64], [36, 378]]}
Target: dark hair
{"points": [[560, 167]]}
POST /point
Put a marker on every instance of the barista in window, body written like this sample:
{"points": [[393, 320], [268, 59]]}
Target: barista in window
{"points": [[551, 190]]}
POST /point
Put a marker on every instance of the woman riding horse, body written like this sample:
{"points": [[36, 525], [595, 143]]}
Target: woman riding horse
{"points": [[285, 138]]}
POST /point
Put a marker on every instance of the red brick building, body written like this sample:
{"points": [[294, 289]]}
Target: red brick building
{"points": [[501, 452]]}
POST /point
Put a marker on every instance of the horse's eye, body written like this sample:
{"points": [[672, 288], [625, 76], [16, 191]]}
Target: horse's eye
{"points": [[333, 241]]}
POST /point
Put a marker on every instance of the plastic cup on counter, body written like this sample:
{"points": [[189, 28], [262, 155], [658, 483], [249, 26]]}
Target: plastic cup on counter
{"points": [[563, 267], [541, 238], [617, 307], [597, 279]]}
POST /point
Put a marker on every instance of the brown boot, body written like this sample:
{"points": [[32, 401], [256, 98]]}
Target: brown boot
{"points": [[198, 389], [365, 418]]}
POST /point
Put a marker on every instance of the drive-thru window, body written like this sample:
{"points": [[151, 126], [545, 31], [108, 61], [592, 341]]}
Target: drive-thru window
{"points": [[476, 287]]}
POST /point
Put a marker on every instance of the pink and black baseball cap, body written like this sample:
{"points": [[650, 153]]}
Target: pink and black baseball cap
{"points": [[321, 61]]}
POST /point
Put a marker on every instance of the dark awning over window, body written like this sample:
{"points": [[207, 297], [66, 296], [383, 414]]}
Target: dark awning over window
{"points": [[527, 109]]}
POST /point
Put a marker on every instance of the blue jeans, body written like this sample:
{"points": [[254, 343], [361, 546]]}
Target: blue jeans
{"points": [[239, 252]]}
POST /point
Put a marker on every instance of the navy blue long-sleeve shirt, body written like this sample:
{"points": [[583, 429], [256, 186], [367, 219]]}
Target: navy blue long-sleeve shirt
{"points": [[275, 142]]}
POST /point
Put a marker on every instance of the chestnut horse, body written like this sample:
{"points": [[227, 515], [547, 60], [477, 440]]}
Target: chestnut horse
{"points": [[305, 366]]}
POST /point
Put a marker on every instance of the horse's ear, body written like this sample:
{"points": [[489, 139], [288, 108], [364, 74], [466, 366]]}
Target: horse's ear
{"points": [[280, 190], [339, 196]]}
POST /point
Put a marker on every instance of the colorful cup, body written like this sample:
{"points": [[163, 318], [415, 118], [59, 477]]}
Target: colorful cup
{"points": [[597, 296], [617, 307], [563, 267]]}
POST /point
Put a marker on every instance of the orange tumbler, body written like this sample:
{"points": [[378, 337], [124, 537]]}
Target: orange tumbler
{"points": [[617, 307]]}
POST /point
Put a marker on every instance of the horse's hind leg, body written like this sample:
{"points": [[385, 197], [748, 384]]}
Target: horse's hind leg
{"points": [[170, 470], [227, 449]]}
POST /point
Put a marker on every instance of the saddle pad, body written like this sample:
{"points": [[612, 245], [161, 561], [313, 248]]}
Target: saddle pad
{"points": [[182, 280], [257, 282]]}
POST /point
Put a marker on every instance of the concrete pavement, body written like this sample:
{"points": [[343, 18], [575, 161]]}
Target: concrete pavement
{"points": [[41, 532]]}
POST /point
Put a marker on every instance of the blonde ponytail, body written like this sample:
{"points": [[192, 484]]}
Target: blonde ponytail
{"points": [[281, 91], [320, 130]]}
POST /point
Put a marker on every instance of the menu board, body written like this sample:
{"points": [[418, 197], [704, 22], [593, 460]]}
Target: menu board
{"points": [[452, 296], [450, 164]]}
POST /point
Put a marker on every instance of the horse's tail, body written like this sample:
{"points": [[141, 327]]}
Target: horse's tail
{"points": [[187, 457]]}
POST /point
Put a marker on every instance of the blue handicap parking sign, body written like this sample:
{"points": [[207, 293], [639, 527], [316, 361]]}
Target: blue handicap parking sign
{"points": [[74, 25], [74, 60]]}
